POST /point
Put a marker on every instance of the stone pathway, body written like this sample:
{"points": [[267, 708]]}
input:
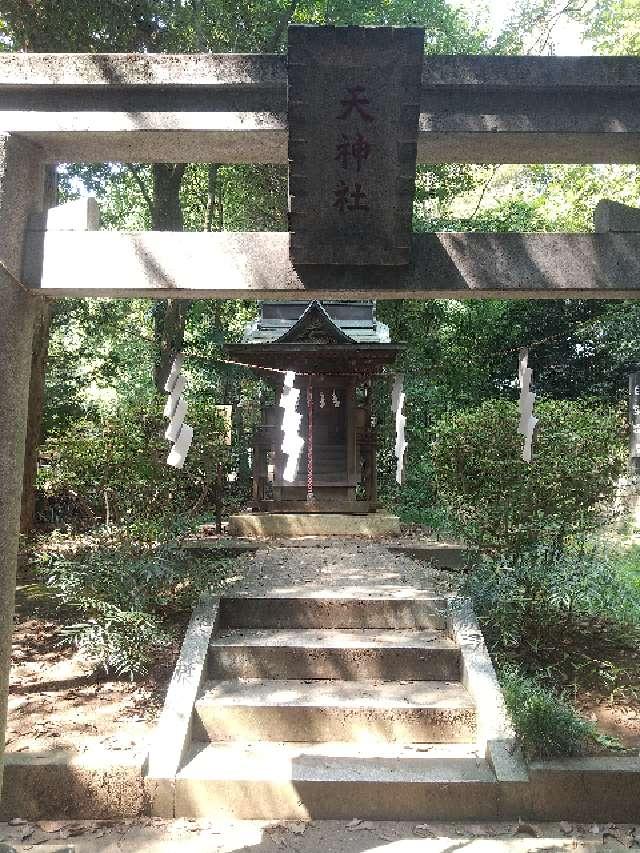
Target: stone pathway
{"points": [[343, 567]]}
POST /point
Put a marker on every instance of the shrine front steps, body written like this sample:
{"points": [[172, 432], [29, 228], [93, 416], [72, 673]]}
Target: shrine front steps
{"points": [[335, 781], [332, 610], [322, 711], [362, 654], [334, 707], [273, 525]]}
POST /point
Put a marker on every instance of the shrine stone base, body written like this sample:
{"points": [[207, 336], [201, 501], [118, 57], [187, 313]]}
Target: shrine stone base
{"points": [[268, 525]]}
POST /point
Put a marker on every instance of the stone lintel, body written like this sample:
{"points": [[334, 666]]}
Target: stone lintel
{"points": [[121, 70], [227, 265], [232, 108]]}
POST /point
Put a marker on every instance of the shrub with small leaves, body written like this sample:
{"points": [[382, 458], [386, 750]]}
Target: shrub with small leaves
{"points": [[571, 614], [129, 586], [500, 502]]}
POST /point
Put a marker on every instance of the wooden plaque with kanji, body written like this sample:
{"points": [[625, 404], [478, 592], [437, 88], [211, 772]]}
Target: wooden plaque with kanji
{"points": [[354, 107]]}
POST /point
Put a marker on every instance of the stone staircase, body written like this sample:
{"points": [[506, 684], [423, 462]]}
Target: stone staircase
{"points": [[333, 708]]}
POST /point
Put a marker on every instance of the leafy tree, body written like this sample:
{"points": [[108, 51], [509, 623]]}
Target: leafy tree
{"points": [[613, 25]]}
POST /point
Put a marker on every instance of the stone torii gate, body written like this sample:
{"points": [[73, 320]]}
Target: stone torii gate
{"points": [[365, 90]]}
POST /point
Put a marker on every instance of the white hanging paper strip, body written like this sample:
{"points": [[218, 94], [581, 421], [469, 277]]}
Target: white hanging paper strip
{"points": [[292, 442], [173, 430], [174, 396], [336, 399], [523, 357], [322, 400], [176, 409], [175, 372], [397, 405], [180, 449], [528, 422]]}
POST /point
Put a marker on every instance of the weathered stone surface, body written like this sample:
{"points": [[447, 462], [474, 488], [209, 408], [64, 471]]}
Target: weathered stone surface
{"points": [[319, 711], [266, 525], [289, 781], [613, 216], [172, 733], [353, 107], [348, 611], [257, 266], [154, 136], [21, 187], [586, 789], [122, 70], [441, 554], [333, 653], [474, 109], [496, 736], [204, 546], [63, 784]]}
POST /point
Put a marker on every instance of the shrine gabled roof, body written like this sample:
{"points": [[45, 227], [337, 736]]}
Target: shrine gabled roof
{"points": [[345, 322], [315, 326]]}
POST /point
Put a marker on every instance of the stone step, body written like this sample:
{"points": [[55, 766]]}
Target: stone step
{"points": [[335, 781], [339, 654], [358, 711], [333, 611]]}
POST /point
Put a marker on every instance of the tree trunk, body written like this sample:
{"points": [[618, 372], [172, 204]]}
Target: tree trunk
{"points": [[169, 315], [39, 352]]}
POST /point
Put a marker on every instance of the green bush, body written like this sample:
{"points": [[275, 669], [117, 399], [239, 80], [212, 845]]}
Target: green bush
{"points": [[569, 616], [114, 468], [500, 502], [129, 586], [546, 724]]}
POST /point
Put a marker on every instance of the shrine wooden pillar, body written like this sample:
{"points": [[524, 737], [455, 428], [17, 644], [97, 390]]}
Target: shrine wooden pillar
{"points": [[21, 185], [352, 456]]}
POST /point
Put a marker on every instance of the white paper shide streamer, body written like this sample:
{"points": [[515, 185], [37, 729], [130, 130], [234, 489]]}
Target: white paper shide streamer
{"points": [[178, 432], [292, 442], [527, 399], [397, 405]]}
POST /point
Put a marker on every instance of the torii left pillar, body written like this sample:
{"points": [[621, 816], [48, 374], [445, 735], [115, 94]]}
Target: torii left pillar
{"points": [[21, 189]]}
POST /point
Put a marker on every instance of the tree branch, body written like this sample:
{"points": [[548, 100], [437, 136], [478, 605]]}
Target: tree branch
{"points": [[144, 189], [485, 187], [283, 21]]}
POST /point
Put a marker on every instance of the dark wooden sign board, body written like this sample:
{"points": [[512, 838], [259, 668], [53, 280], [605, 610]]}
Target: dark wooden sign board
{"points": [[354, 108]]}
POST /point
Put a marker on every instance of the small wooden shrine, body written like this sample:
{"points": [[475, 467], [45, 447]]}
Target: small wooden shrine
{"points": [[335, 350]]}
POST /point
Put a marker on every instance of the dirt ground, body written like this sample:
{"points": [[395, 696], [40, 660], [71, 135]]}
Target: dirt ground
{"points": [[57, 701], [619, 718], [356, 836]]}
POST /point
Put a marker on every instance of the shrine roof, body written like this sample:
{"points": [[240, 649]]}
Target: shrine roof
{"points": [[344, 322], [329, 338]]}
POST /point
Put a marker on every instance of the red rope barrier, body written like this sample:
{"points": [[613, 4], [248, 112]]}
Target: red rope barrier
{"points": [[309, 442]]}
